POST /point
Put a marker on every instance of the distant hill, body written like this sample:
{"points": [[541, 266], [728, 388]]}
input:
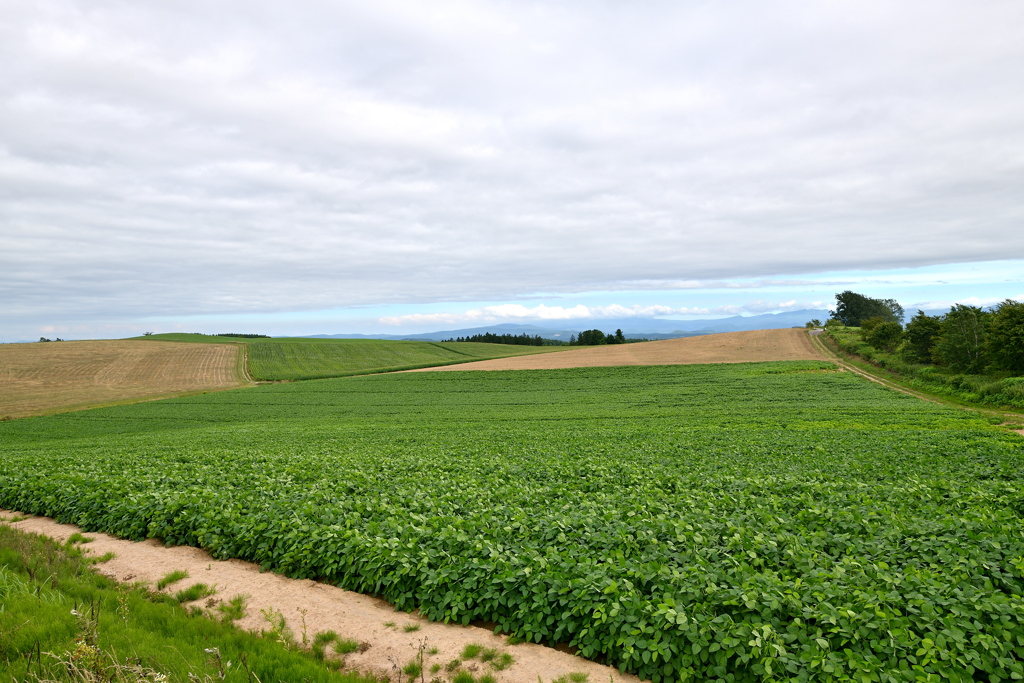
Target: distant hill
{"points": [[650, 328]]}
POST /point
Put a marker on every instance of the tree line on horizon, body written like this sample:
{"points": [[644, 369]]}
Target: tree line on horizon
{"points": [[513, 339], [967, 338]]}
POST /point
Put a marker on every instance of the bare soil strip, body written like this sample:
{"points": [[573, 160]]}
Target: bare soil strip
{"points": [[729, 347], [52, 377], [323, 607]]}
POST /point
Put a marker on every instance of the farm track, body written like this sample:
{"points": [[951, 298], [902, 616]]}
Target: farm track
{"points": [[728, 347], [43, 378]]}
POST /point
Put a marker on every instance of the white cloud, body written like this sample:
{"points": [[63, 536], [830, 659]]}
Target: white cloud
{"points": [[194, 158], [542, 312]]}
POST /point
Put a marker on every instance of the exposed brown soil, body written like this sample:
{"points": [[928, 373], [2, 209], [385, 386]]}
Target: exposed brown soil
{"points": [[729, 347], [51, 377], [324, 607]]}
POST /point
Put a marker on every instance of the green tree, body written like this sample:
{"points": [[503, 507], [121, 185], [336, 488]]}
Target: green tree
{"points": [[591, 338], [852, 308], [961, 342], [885, 336], [811, 324], [921, 333], [1005, 336]]}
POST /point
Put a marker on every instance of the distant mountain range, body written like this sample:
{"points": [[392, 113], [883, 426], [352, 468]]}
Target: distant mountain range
{"points": [[649, 328]]}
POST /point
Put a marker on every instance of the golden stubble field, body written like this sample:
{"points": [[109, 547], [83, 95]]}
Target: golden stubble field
{"points": [[728, 347], [48, 377]]}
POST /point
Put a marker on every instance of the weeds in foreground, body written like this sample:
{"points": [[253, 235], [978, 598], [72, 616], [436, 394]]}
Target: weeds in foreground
{"points": [[320, 642], [498, 660], [235, 608], [105, 557], [172, 577], [343, 646], [279, 630], [196, 591], [574, 677]]}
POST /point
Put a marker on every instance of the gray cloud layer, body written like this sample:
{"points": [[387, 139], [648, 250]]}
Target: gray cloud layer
{"points": [[202, 157]]}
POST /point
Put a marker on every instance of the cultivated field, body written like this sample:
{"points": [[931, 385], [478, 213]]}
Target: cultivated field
{"points": [[743, 522], [288, 359], [730, 347], [46, 377]]}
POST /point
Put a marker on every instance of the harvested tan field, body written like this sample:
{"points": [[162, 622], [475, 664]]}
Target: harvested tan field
{"points": [[48, 377], [729, 347]]}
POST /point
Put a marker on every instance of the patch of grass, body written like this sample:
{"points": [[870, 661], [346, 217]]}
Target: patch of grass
{"points": [[171, 577], [105, 557], [78, 538], [196, 591], [463, 677], [487, 654], [235, 608], [471, 651], [411, 628], [434, 668], [320, 642], [486, 678], [98, 631], [344, 646], [574, 677], [503, 661], [453, 665], [389, 624], [412, 669]]}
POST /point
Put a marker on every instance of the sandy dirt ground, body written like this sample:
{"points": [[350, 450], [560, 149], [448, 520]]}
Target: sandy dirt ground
{"points": [[50, 377], [324, 607], [729, 347]]}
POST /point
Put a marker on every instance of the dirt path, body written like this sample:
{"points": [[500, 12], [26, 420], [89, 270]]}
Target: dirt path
{"points": [[729, 347], [324, 607], [52, 377]]}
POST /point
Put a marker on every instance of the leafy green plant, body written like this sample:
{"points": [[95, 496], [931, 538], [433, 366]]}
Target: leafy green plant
{"points": [[746, 518], [171, 577]]}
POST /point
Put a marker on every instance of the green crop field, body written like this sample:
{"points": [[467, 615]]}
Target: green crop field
{"points": [[742, 522], [297, 358], [282, 360]]}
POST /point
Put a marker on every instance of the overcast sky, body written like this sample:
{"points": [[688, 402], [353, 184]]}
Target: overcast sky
{"points": [[338, 166]]}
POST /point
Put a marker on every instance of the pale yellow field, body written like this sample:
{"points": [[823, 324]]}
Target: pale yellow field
{"points": [[52, 377], [729, 347]]}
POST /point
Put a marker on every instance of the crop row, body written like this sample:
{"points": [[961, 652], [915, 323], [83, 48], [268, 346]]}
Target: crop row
{"points": [[739, 523], [309, 359]]}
